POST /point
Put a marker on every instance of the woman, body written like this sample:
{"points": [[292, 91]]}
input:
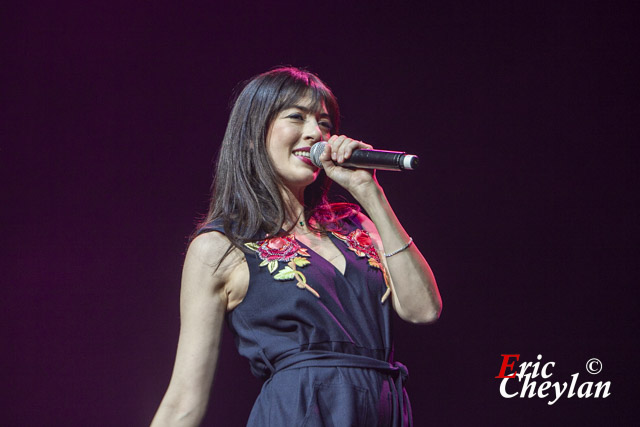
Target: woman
{"points": [[307, 287]]}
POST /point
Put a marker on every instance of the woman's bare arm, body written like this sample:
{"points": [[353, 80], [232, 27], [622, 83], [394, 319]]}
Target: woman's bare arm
{"points": [[415, 293], [204, 299]]}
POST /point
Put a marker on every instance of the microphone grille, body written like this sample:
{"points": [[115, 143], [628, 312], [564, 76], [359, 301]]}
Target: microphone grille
{"points": [[315, 152]]}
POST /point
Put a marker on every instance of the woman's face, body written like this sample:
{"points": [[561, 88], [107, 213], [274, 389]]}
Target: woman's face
{"points": [[290, 136]]}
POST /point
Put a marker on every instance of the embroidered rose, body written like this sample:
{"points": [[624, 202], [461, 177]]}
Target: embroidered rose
{"points": [[278, 249], [362, 238], [272, 251], [359, 241]]}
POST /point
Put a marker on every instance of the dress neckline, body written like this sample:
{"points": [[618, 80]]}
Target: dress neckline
{"points": [[335, 243]]}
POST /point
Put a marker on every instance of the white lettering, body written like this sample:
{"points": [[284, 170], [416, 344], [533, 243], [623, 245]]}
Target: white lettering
{"points": [[544, 369], [545, 385], [529, 388], [559, 392], [535, 367], [574, 379], [600, 386], [585, 393], [503, 389]]}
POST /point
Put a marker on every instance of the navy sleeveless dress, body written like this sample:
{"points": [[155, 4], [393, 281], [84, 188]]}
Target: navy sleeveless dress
{"points": [[320, 339]]}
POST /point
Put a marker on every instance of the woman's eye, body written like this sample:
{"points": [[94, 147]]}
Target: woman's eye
{"points": [[295, 116], [326, 124]]}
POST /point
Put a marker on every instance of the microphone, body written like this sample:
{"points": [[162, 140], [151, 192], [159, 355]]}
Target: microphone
{"points": [[370, 159]]}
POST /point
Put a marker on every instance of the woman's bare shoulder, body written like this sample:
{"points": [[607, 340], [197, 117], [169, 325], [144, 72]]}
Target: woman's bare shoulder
{"points": [[212, 246], [229, 273]]}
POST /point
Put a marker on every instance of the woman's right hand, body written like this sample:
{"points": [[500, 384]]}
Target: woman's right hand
{"points": [[361, 183]]}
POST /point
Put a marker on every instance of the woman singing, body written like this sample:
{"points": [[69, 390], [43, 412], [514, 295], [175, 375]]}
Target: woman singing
{"points": [[306, 286]]}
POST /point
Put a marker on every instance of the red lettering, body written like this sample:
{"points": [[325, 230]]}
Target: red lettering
{"points": [[506, 364]]}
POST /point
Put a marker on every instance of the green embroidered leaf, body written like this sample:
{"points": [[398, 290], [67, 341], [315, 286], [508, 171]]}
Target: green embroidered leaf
{"points": [[273, 266], [252, 245], [301, 262], [285, 274], [264, 262], [339, 236], [373, 263]]}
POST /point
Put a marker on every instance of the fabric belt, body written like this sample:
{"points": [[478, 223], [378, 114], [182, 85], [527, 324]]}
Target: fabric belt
{"points": [[397, 372]]}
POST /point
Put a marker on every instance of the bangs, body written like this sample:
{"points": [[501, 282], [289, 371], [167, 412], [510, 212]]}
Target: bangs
{"points": [[300, 88]]}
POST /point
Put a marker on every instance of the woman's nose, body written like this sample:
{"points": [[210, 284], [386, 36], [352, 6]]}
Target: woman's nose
{"points": [[312, 131]]}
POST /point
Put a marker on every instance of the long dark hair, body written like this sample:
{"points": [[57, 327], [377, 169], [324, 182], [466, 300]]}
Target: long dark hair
{"points": [[246, 191]]}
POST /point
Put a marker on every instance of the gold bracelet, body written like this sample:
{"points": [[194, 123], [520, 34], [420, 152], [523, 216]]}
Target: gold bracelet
{"points": [[401, 249]]}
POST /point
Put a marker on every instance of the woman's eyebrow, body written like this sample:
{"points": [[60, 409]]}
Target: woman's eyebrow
{"points": [[308, 110]]}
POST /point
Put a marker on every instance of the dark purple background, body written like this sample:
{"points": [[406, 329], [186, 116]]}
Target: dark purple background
{"points": [[526, 121]]}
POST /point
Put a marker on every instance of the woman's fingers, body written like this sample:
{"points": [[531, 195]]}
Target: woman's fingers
{"points": [[342, 147], [337, 150], [335, 142], [326, 157]]}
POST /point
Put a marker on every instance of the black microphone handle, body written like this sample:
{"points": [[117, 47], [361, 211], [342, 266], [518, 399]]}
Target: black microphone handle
{"points": [[376, 159], [370, 159]]}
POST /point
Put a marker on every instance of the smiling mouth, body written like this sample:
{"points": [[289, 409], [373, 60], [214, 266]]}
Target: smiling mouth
{"points": [[304, 156], [301, 154]]}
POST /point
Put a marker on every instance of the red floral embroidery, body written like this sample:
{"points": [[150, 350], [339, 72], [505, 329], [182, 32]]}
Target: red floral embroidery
{"points": [[285, 249], [278, 249], [359, 241]]}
